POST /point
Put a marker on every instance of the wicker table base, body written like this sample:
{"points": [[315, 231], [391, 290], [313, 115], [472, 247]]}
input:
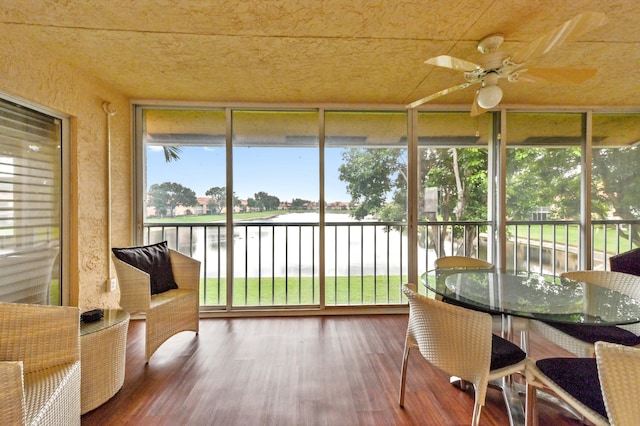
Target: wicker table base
{"points": [[103, 346]]}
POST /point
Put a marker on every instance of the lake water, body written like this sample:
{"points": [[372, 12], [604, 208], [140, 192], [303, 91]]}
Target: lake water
{"points": [[279, 250]]}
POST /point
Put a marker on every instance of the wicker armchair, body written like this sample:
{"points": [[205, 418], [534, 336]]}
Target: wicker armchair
{"points": [[579, 339], [166, 313], [459, 342], [26, 274], [39, 365], [603, 390]]}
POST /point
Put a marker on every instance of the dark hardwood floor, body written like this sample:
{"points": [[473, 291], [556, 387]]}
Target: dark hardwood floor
{"points": [[342, 370]]}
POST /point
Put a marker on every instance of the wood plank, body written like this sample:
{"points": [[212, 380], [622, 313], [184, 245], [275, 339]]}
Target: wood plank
{"points": [[333, 370]]}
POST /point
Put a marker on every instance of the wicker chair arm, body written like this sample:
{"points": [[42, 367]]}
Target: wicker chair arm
{"points": [[186, 270], [461, 262], [53, 330], [619, 281], [135, 287], [12, 404], [619, 372]]}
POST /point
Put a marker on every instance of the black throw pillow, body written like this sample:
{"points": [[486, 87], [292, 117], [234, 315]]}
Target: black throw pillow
{"points": [[154, 260]]}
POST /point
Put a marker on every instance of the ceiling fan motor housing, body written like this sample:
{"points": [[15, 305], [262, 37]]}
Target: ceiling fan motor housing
{"points": [[491, 79], [490, 43]]}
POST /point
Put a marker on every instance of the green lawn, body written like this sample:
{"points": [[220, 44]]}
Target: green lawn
{"points": [[267, 292], [573, 236]]}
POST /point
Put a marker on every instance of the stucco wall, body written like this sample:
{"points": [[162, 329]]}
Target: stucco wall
{"points": [[32, 74]]}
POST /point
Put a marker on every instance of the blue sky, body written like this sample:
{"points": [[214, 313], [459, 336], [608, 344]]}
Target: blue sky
{"points": [[286, 173]]}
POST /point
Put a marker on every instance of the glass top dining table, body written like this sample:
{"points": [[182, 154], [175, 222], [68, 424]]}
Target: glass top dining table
{"points": [[533, 296]]}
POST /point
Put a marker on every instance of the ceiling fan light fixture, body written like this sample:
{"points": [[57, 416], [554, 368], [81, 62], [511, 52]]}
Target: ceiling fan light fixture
{"points": [[497, 64], [489, 96]]}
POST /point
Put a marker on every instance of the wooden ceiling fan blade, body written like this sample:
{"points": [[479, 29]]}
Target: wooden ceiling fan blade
{"points": [[569, 31], [476, 109], [438, 94], [447, 61], [557, 75]]}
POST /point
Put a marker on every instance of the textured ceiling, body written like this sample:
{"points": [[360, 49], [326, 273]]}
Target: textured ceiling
{"points": [[321, 52]]}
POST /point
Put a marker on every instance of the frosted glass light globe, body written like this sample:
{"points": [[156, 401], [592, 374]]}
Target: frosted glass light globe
{"points": [[489, 97]]}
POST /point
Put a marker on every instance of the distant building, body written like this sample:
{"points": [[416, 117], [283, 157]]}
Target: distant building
{"points": [[338, 205], [202, 207]]}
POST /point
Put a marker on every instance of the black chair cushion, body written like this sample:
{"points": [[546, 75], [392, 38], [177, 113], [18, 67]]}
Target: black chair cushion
{"points": [[154, 260], [594, 333], [628, 262], [578, 377], [504, 353]]}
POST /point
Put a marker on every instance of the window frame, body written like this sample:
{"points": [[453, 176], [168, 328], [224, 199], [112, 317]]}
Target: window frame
{"points": [[64, 190]]}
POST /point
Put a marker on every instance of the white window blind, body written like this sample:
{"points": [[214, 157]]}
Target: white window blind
{"points": [[30, 205]]}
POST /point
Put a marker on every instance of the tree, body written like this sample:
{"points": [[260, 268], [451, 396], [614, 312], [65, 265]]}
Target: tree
{"points": [[218, 196], [171, 153], [168, 195], [537, 177], [266, 201], [543, 177], [371, 176], [217, 192], [460, 176], [374, 175], [252, 203], [616, 187], [214, 207], [299, 203]]}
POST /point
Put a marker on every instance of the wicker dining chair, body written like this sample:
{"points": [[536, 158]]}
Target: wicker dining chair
{"points": [[39, 365], [604, 390], [169, 311], [580, 338], [628, 262], [459, 342], [461, 262], [619, 373], [518, 324]]}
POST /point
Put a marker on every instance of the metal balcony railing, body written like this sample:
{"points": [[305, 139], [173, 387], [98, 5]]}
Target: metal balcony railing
{"points": [[277, 264]]}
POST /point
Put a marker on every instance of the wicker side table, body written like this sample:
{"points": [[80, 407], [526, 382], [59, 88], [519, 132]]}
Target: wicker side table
{"points": [[103, 347]]}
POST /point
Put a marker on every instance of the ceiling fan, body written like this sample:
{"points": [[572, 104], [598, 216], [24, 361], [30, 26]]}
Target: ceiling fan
{"points": [[498, 65]]}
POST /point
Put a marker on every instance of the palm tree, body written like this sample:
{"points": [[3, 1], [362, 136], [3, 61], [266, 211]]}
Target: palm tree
{"points": [[171, 153]]}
